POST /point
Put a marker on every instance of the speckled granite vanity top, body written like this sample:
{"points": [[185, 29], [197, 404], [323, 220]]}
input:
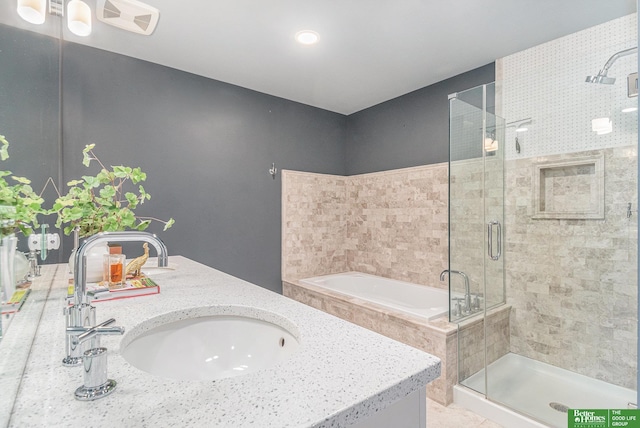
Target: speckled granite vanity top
{"points": [[341, 374]]}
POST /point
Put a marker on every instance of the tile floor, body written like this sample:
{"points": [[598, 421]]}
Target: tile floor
{"points": [[439, 416]]}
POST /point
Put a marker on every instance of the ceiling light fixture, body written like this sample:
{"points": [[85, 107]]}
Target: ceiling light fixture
{"points": [[78, 13], [307, 37], [32, 11], [79, 18], [629, 109]]}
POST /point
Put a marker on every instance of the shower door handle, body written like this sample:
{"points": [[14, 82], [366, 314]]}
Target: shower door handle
{"points": [[490, 239]]}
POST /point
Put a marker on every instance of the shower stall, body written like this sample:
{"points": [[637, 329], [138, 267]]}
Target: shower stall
{"points": [[543, 225]]}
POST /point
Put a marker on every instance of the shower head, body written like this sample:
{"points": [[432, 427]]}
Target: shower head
{"points": [[602, 77]]}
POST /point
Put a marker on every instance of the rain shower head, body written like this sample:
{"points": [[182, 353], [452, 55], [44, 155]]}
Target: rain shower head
{"points": [[602, 77]]}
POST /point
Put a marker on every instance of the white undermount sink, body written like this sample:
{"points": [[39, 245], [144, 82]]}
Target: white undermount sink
{"points": [[210, 343], [155, 270]]}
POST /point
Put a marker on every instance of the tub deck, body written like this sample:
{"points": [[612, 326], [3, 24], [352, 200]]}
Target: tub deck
{"points": [[437, 336]]}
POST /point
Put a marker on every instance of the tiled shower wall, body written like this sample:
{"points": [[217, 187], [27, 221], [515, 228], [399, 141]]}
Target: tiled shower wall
{"points": [[546, 84], [572, 283], [392, 224]]}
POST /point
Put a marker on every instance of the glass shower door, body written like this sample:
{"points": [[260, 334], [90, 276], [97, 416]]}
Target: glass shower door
{"points": [[476, 214]]}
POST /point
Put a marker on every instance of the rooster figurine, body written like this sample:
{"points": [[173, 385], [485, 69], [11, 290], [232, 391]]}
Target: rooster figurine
{"points": [[134, 266]]}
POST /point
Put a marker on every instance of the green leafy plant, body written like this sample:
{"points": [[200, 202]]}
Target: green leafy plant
{"points": [[20, 204], [101, 203]]}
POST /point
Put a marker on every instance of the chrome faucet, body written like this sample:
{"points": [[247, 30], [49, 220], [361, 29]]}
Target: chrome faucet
{"points": [[81, 316], [80, 267], [467, 291]]}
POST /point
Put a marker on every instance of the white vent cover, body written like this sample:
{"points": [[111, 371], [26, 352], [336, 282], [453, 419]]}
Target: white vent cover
{"points": [[130, 15]]}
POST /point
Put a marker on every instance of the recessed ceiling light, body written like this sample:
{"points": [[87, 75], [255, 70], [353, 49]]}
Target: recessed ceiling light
{"points": [[629, 109], [307, 37], [522, 129]]}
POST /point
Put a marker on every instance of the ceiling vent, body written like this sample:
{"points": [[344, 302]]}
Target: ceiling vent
{"points": [[130, 15]]}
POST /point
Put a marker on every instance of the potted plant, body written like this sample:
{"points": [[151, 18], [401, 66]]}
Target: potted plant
{"points": [[19, 208], [104, 202], [21, 205]]}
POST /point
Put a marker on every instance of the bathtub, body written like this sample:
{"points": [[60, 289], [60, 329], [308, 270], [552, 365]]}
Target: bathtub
{"points": [[397, 310], [415, 299]]}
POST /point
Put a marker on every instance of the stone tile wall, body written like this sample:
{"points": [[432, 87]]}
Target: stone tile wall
{"points": [[391, 224], [573, 283], [314, 226], [397, 224], [471, 341]]}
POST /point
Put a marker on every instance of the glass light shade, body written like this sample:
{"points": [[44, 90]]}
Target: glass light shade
{"points": [[79, 18], [602, 125], [490, 145], [32, 11]]}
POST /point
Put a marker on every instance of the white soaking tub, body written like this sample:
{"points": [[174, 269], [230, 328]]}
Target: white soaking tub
{"points": [[421, 300]]}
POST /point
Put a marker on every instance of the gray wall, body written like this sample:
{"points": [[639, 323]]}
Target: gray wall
{"points": [[409, 130], [206, 147]]}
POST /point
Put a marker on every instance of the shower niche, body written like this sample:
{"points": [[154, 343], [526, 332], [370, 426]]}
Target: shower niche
{"points": [[569, 189]]}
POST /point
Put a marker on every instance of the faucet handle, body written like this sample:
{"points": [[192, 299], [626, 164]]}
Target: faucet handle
{"points": [[476, 302], [457, 309], [96, 384], [99, 329]]}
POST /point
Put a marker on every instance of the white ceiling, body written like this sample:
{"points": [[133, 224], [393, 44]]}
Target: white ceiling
{"points": [[370, 50]]}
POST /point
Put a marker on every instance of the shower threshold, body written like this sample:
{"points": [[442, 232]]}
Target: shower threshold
{"points": [[538, 390]]}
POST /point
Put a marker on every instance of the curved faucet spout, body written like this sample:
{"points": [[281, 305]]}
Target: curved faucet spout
{"points": [[467, 287], [80, 268]]}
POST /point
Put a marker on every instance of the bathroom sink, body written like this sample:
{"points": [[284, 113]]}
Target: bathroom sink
{"points": [[155, 270], [210, 343]]}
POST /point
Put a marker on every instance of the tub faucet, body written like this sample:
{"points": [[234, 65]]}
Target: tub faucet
{"points": [[467, 291], [81, 315]]}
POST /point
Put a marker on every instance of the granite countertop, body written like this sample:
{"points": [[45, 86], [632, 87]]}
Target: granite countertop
{"points": [[341, 373]]}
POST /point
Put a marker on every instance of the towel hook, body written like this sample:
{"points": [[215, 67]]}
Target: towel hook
{"points": [[273, 170]]}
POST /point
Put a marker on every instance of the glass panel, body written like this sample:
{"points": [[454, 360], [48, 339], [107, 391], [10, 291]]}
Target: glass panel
{"points": [[466, 215], [476, 200], [496, 315]]}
